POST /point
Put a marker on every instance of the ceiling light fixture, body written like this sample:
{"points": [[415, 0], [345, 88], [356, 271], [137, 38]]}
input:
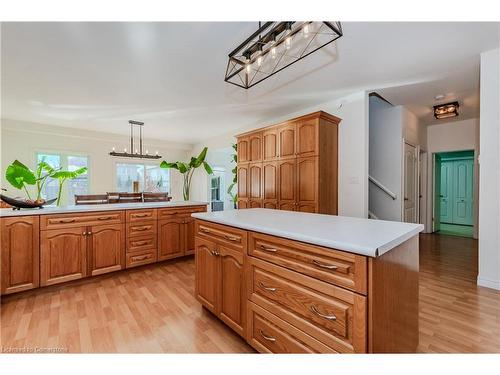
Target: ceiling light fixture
{"points": [[447, 110], [137, 152], [275, 46]]}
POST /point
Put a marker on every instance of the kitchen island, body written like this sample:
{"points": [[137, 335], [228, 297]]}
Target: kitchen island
{"points": [[292, 282], [53, 245]]}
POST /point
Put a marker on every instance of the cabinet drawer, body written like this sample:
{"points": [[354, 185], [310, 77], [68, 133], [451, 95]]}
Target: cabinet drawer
{"points": [[336, 267], [141, 243], [165, 213], [139, 258], [228, 236], [332, 315], [269, 334], [141, 229], [140, 215], [73, 220]]}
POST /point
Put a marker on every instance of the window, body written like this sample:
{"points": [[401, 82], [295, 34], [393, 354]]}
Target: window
{"points": [[217, 189], [151, 178], [79, 185]]}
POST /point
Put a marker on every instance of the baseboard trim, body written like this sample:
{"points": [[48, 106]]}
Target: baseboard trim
{"points": [[487, 283]]}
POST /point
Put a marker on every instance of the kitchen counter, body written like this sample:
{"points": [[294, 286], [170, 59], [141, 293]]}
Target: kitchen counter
{"points": [[49, 210], [356, 235]]}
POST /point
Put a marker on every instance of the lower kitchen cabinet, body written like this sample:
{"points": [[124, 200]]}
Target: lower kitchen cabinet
{"points": [[106, 248], [63, 255], [220, 283], [206, 268], [170, 238], [19, 253], [189, 233]]}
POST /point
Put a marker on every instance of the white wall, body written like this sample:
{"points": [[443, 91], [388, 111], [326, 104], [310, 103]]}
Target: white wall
{"points": [[385, 163], [388, 126], [21, 140], [489, 202], [353, 151], [452, 136]]}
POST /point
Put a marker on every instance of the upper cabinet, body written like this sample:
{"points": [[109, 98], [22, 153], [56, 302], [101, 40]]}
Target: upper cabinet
{"points": [[296, 156], [270, 144], [306, 142], [286, 140]]}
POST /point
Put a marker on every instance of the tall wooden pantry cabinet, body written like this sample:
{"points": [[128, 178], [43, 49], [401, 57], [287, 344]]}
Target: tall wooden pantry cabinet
{"points": [[290, 166]]}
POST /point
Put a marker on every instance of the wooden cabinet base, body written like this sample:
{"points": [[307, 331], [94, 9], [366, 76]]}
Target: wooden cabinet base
{"points": [[302, 298]]}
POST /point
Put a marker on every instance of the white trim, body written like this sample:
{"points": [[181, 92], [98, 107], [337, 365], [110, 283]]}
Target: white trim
{"points": [[382, 187], [487, 283]]}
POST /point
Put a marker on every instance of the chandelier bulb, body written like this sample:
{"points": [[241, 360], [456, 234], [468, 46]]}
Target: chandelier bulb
{"points": [[273, 52], [259, 60], [113, 149], [306, 31], [288, 42], [248, 68]]}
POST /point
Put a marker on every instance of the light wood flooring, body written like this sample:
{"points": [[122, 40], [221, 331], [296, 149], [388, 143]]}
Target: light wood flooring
{"points": [[152, 309]]}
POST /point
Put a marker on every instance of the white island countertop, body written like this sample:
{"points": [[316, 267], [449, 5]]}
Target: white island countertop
{"points": [[48, 210], [355, 235]]}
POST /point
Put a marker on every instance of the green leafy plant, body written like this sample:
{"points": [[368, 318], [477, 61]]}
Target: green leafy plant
{"points": [[187, 169], [234, 171], [63, 176], [19, 176], [41, 178]]}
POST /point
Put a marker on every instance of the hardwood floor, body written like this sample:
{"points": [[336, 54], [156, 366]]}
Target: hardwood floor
{"points": [[152, 309], [147, 310], [456, 316]]}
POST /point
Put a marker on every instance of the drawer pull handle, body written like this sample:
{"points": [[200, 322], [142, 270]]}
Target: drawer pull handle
{"points": [[230, 238], [322, 265], [140, 243], [270, 249], [144, 257], [140, 215], [66, 221], [327, 317], [266, 337], [269, 289], [141, 229], [102, 218], [205, 230]]}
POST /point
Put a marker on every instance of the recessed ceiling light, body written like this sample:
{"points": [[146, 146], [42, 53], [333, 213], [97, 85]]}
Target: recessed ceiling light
{"points": [[439, 97], [446, 110]]}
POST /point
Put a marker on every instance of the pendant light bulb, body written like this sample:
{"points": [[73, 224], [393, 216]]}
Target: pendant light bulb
{"points": [[306, 31], [273, 52], [248, 68], [259, 60], [288, 42]]}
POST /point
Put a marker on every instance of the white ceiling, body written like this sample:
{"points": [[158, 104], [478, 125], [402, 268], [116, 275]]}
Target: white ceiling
{"points": [[170, 75]]}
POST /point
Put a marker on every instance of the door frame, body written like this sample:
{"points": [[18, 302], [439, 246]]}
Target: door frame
{"points": [[435, 155], [403, 177]]}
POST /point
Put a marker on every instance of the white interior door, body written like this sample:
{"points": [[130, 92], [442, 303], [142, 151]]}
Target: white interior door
{"points": [[410, 184]]}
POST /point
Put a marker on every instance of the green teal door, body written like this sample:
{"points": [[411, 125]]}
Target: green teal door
{"points": [[456, 191]]}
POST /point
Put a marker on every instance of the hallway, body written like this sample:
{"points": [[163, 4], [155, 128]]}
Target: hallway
{"points": [[455, 314]]}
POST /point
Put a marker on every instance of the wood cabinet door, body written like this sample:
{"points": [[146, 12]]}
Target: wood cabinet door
{"points": [[243, 150], [307, 182], [206, 269], [272, 204], [286, 140], [63, 255], [255, 181], [255, 203], [307, 138], [243, 180], [270, 144], [189, 233], [20, 253], [106, 248], [270, 180], [170, 238], [287, 181], [255, 142], [232, 301], [242, 204]]}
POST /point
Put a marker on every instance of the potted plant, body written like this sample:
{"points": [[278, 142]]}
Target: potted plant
{"points": [[187, 170], [234, 171], [63, 176]]}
